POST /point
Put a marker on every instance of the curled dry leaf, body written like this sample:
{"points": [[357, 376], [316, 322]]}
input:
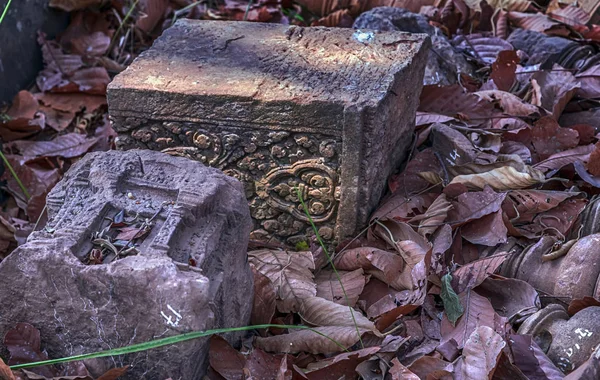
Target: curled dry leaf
{"points": [[504, 70], [523, 205], [481, 353], [484, 47], [511, 104], [323, 340], [558, 86], [24, 344], [5, 372], [489, 230], [429, 367], [434, 217], [502, 179], [329, 287], [409, 182], [224, 359], [400, 208], [386, 266], [317, 311], [581, 303], [510, 5], [290, 273]]}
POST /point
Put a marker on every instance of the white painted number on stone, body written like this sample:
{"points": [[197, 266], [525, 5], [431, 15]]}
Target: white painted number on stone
{"points": [[172, 320]]}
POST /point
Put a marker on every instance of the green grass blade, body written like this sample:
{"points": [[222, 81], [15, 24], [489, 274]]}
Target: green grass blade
{"points": [[165, 342], [314, 227], [15, 176], [5, 11]]}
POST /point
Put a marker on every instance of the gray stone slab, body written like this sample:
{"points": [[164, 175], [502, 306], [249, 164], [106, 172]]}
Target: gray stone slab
{"points": [[20, 54], [329, 111], [191, 272]]}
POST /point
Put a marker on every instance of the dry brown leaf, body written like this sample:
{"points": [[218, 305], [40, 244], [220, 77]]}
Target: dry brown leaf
{"points": [[488, 230], [265, 299], [557, 88], [317, 311], [502, 179], [481, 354], [523, 205], [323, 340], [475, 205], [511, 298], [474, 273], [511, 104], [581, 303], [478, 311], [400, 372], [341, 366], [5, 372], [566, 157], [401, 208], [434, 217], [68, 146], [510, 5], [73, 5], [290, 273], [383, 265], [329, 287]]}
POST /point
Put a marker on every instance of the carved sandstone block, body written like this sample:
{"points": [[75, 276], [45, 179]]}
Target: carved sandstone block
{"points": [[328, 111], [189, 272]]}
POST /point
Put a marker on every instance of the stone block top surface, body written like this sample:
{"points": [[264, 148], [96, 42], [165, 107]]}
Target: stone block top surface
{"points": [[258, 63]]}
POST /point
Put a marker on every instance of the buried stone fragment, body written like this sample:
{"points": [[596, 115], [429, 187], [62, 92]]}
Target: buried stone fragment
{"points": [[111, 270]]}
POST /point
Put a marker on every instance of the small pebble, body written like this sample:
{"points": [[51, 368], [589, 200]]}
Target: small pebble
{"points": [[130, 195]]}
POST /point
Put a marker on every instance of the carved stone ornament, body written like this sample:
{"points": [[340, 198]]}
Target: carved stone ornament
{"points": [[326, 111]]}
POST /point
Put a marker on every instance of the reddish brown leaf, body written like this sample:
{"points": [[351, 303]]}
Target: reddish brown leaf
{"points": [[24, 344], [570, 15], [488, 230], [5, 372], [152, 11], [478, 312], [531, 360], [114, 373], [504, 69], [581, 303], [224, 359], [341, 366], [400, 372], [265, 299], [557, 88], [409, 182], [589, 81], [329, 287], [548, 138], [486, 48], [383, 265], [511, 105], [474, 205], [522, 205], [73, 5], [400, 208], [132, 232], [471, 275], [510, 297], [537, 22], [428, 367], [23, 106], [323, 340], [481, 353], [566, 157], [67, 146], [453, 101]]}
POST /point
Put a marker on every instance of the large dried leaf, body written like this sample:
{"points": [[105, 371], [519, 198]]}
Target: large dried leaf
{"points": [[489, 230], [589, 81], [453, 101], [400, 372], [482, 46], [265, 299], [317, 311], [531, 360], [511, 105], [342, 366], [510, 297], [481, 354], [67, 146], [474, 205], [409, 182], [261, 365], [471, 275], [24, 344], [429, 367], [290, 273], [566, 157], [537, 22], [400, 208], [224, 359], [581, 303], [502, 179], [329, 287], [522, 205], [5, 372], [557, 88], [386, 266], [510, 5], [558, 219], [326, 340], [478, 312], [504, 70], [548, 138], [435, 216], [73, 5], [152, 12]]}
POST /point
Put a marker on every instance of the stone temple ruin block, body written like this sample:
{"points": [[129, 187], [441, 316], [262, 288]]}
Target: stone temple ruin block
{"points": [[329, 111], [191, 271]]}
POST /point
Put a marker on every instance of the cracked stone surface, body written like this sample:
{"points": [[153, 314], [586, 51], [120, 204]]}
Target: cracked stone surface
{"points": [[328, 111], [191, 272]]}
